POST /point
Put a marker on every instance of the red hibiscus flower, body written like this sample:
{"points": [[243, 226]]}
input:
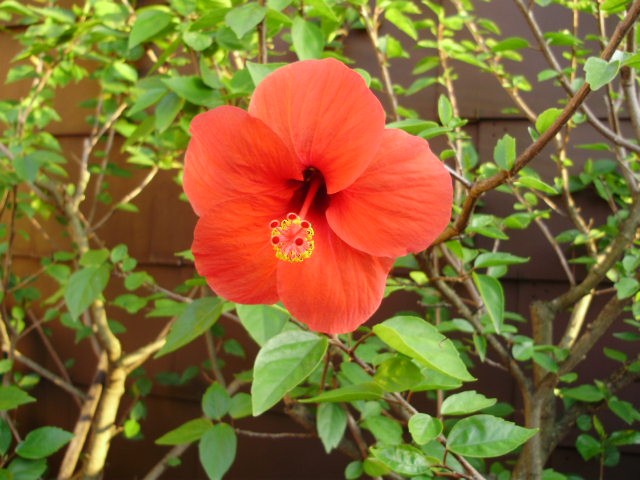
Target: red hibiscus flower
{"points": [[307, 199]]}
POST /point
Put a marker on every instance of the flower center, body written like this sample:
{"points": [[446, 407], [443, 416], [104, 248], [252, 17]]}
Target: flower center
{"points": [[292, 237]]}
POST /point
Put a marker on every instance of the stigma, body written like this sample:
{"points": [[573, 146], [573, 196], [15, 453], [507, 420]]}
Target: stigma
{"points": [[292, 238]]}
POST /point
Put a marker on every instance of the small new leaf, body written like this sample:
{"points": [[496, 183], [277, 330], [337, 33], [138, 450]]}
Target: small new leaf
{"points": [[504, 154], [599, 72]]}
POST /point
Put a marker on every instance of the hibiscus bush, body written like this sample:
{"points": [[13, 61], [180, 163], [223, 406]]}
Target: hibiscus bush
{"points": [[364, 245]]}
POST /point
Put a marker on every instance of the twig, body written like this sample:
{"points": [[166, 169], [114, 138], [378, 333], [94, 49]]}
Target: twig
{"points": [[126, 199], [64, 384], [159, 468], [273, 436], [371, 24]]}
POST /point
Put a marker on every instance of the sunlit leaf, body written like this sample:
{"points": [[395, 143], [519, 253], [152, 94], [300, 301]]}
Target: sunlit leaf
{"points": [[486, 436], [186, 433], [282, 363], [421, 341], [197, 318]]}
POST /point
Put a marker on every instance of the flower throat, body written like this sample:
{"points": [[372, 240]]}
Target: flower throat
{"points": [[292, 237]]}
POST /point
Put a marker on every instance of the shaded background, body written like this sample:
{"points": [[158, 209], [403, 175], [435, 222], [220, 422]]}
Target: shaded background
{"points": [[165, 224]]}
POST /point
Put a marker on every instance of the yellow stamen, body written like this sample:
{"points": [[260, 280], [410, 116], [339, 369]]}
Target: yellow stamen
{"points": [[292, 238]]}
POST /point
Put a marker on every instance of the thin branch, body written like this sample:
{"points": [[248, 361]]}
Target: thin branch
{"points": [[495, 65], [274, 436], [371, 24], [64, 384], [160, 467], [549, 237], [127, 198]]}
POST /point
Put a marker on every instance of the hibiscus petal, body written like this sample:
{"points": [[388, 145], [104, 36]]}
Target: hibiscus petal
{"points": [[232, 154], [325, 113], [400, 204], [232, 248], [337, 289]]}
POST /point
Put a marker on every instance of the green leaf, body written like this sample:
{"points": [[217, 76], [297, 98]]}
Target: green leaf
{"points": [[627, 287], [611, 6], [308, 39], [623, 409], [149, 22], [199, 316], [401, 21], [323, 9], [424, 428], [484, 436], [131, 428], [599, 72], [421, 341], [262, 321], [42, 442], [94, 258], [240, 405], [494, 259], [186, 433], [167, 110], [84, 287], [348, 393], [504, 154], [587, 446], [23, 469], [445, 110], [493, 298], [26, 167], [386, 430], [137, 279], [616, 355], [511, 43], [331, 422], [6, 437], [245, 18], [198, 41], [259, 71], [402, 459], [283, 363], [397, 374], [584, 393], [353, 471], [536, 184], [546, 119], [193, 90], [216, 401], [217, 450], [466, 402], [12, 397], [435, 380]]}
